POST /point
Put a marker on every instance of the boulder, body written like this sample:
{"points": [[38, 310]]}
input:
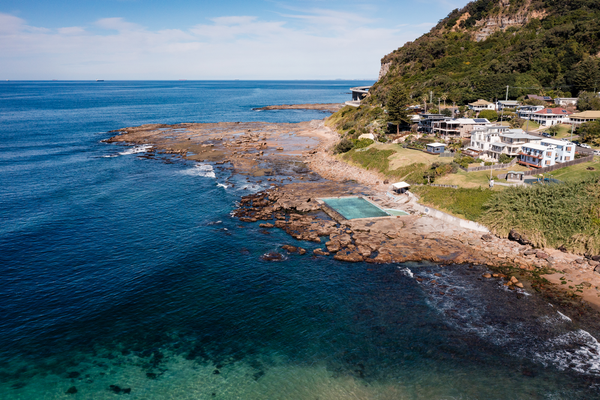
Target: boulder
{"points": [[333, 246], [348, 256], [71, 390], [542, 255], [266, 225], [290, 249], [301, 251], [487, 238], [517, 237], [487, 275], [273, 256], [320, 252]]}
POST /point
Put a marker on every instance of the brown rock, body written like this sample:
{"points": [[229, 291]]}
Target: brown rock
{"points": [[487, 275], [542, 255], [267, 225], [301, 251], [517, 237], [349, 256], [290, 249], [487, 238], [333, 246], [519, 285], [320, 252]]}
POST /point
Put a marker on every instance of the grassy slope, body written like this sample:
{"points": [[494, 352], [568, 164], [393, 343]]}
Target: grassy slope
{"points": [[464, 203]]}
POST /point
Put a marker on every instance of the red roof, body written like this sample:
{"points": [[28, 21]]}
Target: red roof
{"points": [[555, 111]]}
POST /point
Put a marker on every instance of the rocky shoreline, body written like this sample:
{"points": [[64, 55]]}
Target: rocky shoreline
{"points": [[330, 107], [302, 153]]}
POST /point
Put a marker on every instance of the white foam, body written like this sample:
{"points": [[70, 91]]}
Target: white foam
{"points": [[136, 149], [204, 170], [407, 272], [576, 350], [563, 316], [222, 185]]}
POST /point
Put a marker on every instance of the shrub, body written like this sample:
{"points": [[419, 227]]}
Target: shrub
{"points": [[382, 139], [505, 159], [362, 143], [343, 146], [464, 202]]}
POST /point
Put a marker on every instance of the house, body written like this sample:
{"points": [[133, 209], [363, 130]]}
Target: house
{"points": [[511, 143], [583, 117], [483, 136], [536, 155], [566, 101], [565, 151], [502, 104], [526, 111], [435, 148], [547, 99], [427, 120], [457, 128], [481, 105], [551, 116]]}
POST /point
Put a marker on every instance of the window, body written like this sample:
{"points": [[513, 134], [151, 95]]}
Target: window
{"points": [[547, 162], [569, 149], [548, 153], [567, 158]]}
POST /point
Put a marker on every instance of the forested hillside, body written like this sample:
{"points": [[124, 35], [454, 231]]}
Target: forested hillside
{"points": [[533, 46]]}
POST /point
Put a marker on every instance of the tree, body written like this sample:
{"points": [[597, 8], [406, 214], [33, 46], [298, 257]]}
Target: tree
{"points": [[553, 130], [446, 112], [396, 105], [586, 75], [588, 101], [490, 115], [590, 131]]}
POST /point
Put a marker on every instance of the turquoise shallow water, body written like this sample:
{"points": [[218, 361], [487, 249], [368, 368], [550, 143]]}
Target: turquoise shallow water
{"points": [[125, 273]]}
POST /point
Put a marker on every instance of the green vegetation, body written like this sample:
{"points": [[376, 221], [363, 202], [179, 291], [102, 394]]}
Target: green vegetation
{"points": [[467, 203], [555, 49], [549, 215], [589, 132], [397, 103], [577, 172], [588, 101], [490, 115], [379, 160]]}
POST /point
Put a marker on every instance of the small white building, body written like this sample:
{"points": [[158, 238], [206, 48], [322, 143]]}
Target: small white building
{"points": [[400, 187], [551, 116], [481, 105], [566, 101], [536, 155]]}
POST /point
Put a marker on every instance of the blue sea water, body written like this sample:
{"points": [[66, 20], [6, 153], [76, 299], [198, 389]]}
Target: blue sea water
{"points": [[123, 276]]}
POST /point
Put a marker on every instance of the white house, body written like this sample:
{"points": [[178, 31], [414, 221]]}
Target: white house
{"points": [[483, 136], [526, 111], [566, 101], [511, 143], [551, 116], [565, 151], [460, 127], [481, 105], [502, 104], [536, 155]]}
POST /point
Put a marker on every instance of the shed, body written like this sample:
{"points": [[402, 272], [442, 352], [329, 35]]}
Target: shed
{"points": [[515, 176], [400, 187], [436, 148]]}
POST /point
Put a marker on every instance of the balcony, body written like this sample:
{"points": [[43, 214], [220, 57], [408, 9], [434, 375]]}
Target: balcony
{"points": [[532, 155]]}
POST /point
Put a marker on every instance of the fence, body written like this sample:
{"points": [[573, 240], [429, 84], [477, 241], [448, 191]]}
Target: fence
{"points": [[446, 186], [489, 167], [554, 167]]}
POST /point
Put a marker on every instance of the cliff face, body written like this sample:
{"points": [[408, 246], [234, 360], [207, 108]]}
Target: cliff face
{"points": [[475, 52]]}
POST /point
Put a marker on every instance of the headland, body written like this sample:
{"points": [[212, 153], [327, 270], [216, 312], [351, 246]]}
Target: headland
{"points": [[298, 162]]}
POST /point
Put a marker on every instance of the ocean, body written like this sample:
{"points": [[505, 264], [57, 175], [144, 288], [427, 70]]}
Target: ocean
{"points": [[125, 276]]}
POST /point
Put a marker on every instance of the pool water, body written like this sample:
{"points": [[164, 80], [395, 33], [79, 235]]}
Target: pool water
{"points": [[355, 207]]}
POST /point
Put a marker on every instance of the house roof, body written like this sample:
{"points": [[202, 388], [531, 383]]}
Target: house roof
{"points": [[553, 111], [480, 102], [508, 102], [536, 97], [555, 142], [587, 114], [400, 185], [516, 172], [535, 146], [437, 144], [520, 135]]}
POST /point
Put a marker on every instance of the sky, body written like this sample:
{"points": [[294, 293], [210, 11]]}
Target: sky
{"points": [[207, 40]]}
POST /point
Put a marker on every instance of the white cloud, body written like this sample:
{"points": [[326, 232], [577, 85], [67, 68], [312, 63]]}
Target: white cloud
{"points": [[328, 44]]}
